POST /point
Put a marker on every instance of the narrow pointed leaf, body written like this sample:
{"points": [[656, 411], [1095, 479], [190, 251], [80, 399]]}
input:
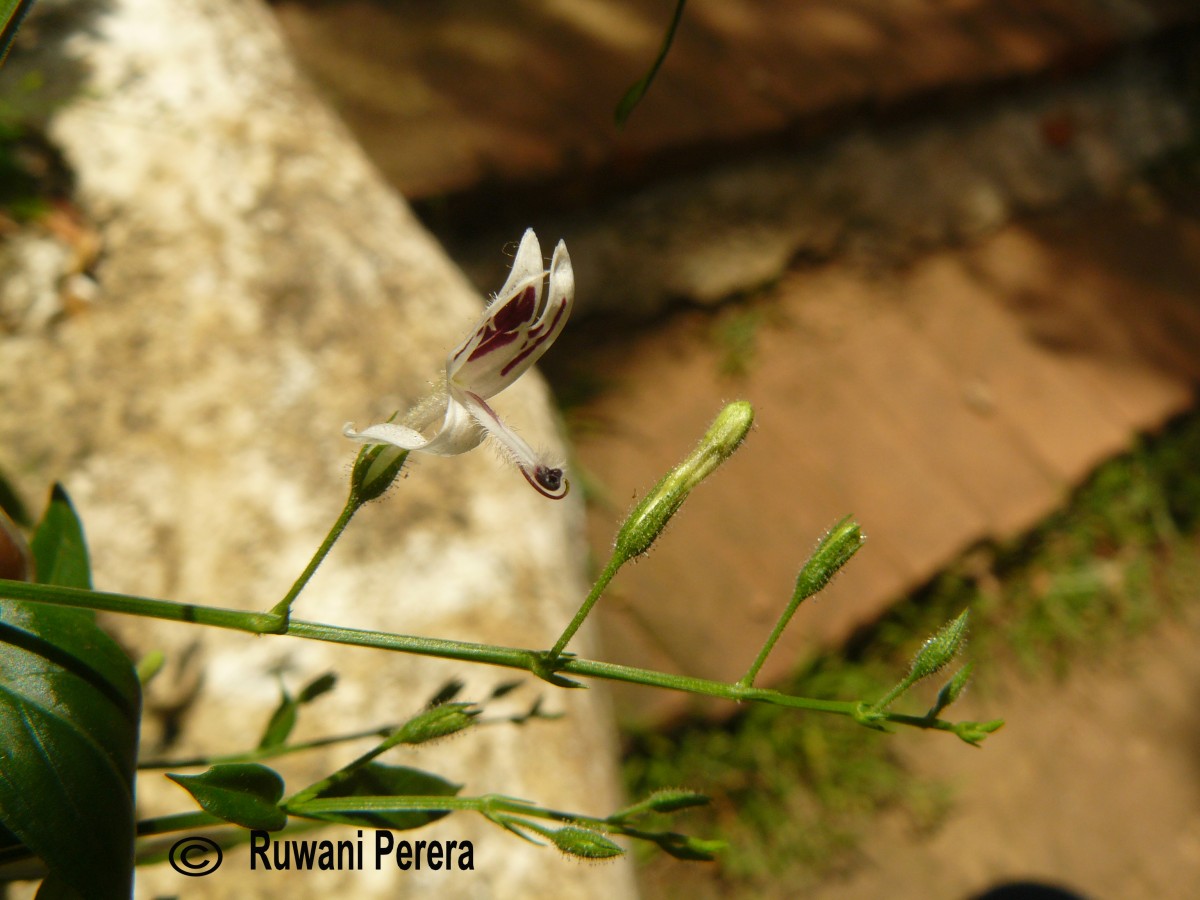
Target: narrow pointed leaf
{"points": [[281, 723], [638, 89]]}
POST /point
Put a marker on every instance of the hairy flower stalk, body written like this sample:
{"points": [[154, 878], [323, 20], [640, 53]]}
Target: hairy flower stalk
{"points": [[516, 329]]}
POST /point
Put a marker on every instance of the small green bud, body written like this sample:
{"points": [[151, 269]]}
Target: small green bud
{"points": [[375, 468], [951, 690], [650, 516], [840, 543], [584, 843], [685, 847], [436, 723], [937, 652], [669, 800]]}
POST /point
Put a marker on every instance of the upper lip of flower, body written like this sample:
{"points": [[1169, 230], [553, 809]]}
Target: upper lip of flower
{"points": [[513, 333]]}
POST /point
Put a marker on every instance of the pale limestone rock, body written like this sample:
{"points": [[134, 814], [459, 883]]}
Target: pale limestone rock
{"points": [[259, 286]]}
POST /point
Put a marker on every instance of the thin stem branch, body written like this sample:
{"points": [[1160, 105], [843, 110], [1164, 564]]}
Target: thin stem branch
{"points": [[776, 633], [598, 588], [262, 753], [284, 606], [533, 661]]}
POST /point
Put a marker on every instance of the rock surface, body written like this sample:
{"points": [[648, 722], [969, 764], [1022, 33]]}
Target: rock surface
{"points": [[775, 133], [258, 286]]}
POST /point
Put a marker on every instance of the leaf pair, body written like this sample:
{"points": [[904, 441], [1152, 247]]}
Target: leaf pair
{"points": [[249, 795]]}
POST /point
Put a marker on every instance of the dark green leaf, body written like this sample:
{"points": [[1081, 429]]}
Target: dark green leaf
{"points": [[446, 692], [321, 685], [638, 89], [282, 721], [10, 500], [59, 549], [69, 709], [245, 794], [505, 687], [379, 780]]}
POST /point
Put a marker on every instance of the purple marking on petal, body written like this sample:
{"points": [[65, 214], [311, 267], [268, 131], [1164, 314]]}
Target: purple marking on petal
{"points": [[538, 339], [516, 311], [493, 342]]}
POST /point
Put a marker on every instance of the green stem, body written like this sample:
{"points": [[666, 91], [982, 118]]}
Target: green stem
{"points": [[890, 697], [262, 753], [752, 673], [487, 804], [598, 588], [284, 606], [532, 661]]}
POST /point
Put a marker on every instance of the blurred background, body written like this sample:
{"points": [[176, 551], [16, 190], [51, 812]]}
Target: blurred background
{"points": [[951, 253]]}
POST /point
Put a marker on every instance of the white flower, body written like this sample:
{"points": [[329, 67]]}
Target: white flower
{"points": [[516, 329]]}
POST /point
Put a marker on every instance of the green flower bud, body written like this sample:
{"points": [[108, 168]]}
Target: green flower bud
{"points": [[650, 516], [668, 800], [940, 649], [841, 542], [584, 843], [375, 468], [951, 690], [685, 847], [435, 723]]}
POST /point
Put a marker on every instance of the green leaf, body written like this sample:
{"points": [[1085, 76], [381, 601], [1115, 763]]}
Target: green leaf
{"points": [[12, 13], [379, 780], [69, 708], [59, 549], [322, 684], [282, 721], [245, 794], [10, 500], [638, 89]]}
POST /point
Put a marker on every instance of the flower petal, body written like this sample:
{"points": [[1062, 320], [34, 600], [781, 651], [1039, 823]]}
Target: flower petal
{"points": [[559, 300], [546, 479], [517, 329], [459, 433], [527, 264]]}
